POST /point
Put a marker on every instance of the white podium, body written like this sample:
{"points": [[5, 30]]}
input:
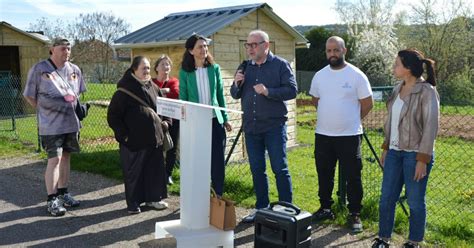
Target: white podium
{"points": [[193, 229]]}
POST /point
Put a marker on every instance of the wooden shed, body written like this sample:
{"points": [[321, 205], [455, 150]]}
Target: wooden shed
{"points": [[228, 28], [20, 50]]}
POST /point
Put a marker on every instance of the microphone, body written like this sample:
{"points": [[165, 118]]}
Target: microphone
{"points": [[242, 68]]}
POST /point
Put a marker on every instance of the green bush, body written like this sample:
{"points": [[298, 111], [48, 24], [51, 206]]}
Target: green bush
{"points": [[314, 57], [458, 89]]}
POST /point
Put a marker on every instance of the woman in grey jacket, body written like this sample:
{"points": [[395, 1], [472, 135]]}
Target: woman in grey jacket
{"points": [[407, 157]]}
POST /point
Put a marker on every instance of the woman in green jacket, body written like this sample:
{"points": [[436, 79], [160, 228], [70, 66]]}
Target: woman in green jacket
{"points": [[201, 82]]}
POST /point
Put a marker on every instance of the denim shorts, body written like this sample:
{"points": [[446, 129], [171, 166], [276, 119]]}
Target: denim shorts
{"points": [[54, 145]]}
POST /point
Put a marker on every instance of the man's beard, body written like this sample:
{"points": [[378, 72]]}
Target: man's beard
{"points": [[336, 63]]}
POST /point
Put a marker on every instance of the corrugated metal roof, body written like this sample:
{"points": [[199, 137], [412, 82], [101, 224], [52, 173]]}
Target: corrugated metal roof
{"points": [[177, 27]]}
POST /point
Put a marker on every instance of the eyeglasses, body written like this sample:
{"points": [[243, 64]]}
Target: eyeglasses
{"points": [[253, 45]]}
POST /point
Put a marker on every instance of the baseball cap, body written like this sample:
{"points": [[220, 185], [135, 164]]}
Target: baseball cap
{"points": [[58, 41]]}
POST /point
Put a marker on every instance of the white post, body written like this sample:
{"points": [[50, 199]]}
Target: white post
{"points": [[195, 166], [193, 229]]}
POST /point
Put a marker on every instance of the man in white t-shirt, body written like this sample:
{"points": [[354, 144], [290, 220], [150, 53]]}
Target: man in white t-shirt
{"points": [[342, 95]]}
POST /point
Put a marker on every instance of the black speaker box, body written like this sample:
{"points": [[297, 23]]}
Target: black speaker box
{"points": [[283, 225]]}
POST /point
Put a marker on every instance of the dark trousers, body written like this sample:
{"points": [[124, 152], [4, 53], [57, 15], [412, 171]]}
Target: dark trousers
{"points": [[171, 154], [143, 175], [217, 156], [345, 149]]}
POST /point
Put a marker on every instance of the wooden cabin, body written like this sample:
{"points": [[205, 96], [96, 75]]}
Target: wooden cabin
{"points": [[228, 29], [20, 50]]}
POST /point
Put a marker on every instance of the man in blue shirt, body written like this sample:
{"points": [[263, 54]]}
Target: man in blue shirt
{"points": [[263, 88]]}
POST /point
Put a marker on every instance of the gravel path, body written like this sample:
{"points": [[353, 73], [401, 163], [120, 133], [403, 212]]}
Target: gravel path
{"points": [[102, 220]]}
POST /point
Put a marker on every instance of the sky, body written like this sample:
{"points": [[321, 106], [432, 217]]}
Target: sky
{"points": [[139, 13]]}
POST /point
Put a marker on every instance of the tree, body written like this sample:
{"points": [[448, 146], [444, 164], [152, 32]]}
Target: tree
{"points": [[92, 35], [442, 35], [443, 31], [365, 13], [314, 57], [87, 54], [50, 29], [376, 49], [370, 23], [103, 27]]}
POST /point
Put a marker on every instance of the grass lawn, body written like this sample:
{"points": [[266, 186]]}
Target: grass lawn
{"points": [[449, 196], [450, 191], [11, 147], [98, 92], [94, 129]]}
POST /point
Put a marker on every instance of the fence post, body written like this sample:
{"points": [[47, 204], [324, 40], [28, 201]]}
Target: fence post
{"points": [[37, 133], [402, 198]]}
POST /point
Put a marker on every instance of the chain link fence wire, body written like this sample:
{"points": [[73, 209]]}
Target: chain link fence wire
{"points": [[17, 118], [450, 190]]}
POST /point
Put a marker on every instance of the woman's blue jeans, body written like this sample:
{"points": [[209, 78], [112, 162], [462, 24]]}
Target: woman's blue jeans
{"points": [[399, 169], [274, 141]]}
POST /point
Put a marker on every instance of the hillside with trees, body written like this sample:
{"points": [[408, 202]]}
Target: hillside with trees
{"points": [[443, 31]]}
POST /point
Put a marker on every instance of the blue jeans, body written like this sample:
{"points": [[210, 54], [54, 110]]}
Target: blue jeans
{"points": [[274, 141], [399, 169]]}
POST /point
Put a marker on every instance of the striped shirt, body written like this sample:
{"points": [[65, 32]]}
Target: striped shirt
{"points": [[204, 91]]}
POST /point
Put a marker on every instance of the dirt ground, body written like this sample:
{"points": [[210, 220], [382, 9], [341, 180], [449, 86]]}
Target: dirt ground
{"points": [[102, 219]]}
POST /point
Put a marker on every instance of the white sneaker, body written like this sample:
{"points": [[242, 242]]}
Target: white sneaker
{"points": [[55, 207], [157, 205]]}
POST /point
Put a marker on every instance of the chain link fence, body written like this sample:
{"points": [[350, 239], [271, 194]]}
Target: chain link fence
{"points": [[450, 190], [17, 119]]}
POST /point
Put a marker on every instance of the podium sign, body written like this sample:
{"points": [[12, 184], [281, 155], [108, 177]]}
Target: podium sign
{"points": [[170, 109], [193, 229]]}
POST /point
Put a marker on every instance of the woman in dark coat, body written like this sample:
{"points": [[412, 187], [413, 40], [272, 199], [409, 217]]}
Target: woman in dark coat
{"points": [[139, 131]]}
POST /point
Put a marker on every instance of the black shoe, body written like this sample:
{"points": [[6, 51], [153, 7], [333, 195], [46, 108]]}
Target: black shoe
{"points": [[380, 243], [250, 218], [323, 214], [136, 210], [170, 180], [355, 223], [410, 245]]}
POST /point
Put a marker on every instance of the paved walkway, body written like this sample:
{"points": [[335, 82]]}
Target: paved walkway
{"points": [[102, 219]]}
